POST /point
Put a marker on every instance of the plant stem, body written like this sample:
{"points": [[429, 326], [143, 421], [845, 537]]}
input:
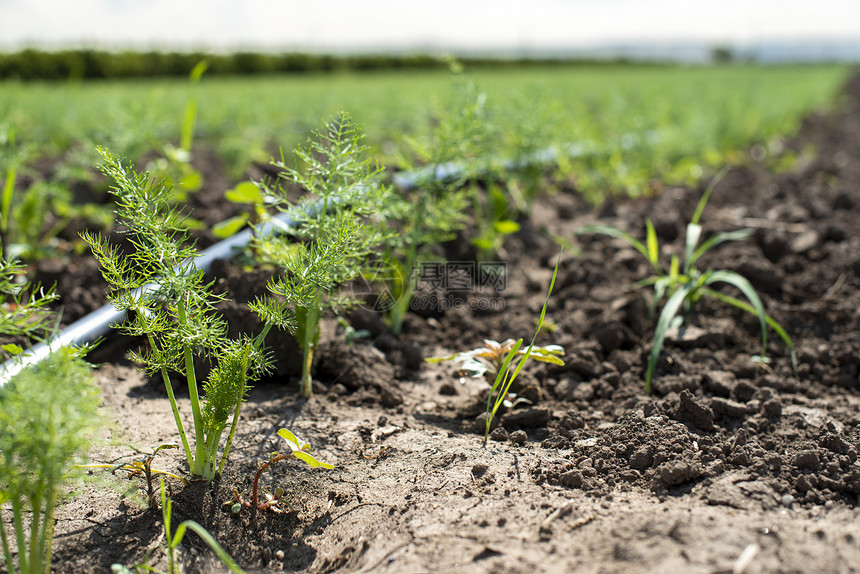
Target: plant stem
{"points": [[8, 188], [23, 557], [7, 551], [201, 461], [48, 530], [182, 434], [259, 473], [309, 334]]}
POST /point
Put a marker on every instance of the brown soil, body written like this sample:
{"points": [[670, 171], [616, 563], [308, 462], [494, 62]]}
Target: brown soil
{"points": [[723, 468]]}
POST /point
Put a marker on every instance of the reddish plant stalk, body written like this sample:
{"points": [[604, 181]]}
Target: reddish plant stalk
{"points": [[260, 471]]}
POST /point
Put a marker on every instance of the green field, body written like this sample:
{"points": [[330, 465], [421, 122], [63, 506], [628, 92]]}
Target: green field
{"points": [[625, 125]]}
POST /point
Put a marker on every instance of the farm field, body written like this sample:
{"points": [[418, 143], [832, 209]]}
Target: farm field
{"points": [[735, 461]]}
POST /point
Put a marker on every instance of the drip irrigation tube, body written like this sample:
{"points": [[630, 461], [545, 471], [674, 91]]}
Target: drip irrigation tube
{"points": [[97, 323]]}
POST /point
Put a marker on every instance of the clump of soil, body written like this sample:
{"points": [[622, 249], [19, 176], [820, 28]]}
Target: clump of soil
{"points": [[729, 465]]}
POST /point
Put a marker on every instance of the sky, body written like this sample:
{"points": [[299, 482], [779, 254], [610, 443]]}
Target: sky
{"points": [[477, 25]]}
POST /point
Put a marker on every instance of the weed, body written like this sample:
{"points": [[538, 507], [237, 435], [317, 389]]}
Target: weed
{"points": [[684, 284], [274, 501], [488, 361], [505, 377], [246, 193], [142, 465]]}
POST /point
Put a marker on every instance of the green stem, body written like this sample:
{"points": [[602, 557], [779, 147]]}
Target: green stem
{"points": [[179, 426], [311, 319], [5, 207], [199, 432], [35, 519], [23, 557], [47, 538], [7, 551]]}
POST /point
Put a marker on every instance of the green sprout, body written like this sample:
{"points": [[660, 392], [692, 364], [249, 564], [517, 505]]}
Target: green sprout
{"points": [[684, 285], [488, 361], [247, 193], [142, 466], [14, 161], [335, 233], [505, 377], [275, 501], [174, 539], [175, 311], [175, 167], [494, 222]]}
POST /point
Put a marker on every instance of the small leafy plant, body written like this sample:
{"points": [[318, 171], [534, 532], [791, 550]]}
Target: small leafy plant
{"points": [[684, 284], [49, 419], [434, 208], [494, 221], [335, 232], [275, 501], [247, 193], [24, 308], [175, 311], [142, 466], [494, 362], [505, 377], [487, 361]]}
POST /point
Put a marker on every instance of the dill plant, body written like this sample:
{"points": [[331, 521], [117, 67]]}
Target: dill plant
{"points": [[435, 206], [335, 232], [48, 419], [174, 309]]}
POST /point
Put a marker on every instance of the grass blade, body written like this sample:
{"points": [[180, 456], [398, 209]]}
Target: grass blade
{"points": [[705, 196], [670, 310], [749, 292], [210, 541], [714, 240], [617, 233], [777, 328]]}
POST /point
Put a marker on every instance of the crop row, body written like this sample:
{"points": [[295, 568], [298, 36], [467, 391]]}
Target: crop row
{"points": [[349, 225]]}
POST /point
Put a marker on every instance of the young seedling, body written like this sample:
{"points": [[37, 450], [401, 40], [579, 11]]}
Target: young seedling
{"points": [[487, 361], [142, 466], [49, 419], [248, 193], [175, 311], [274, 501], [335, 232], [494, 220], [505, 376], [435, 207], [684, 284]]}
